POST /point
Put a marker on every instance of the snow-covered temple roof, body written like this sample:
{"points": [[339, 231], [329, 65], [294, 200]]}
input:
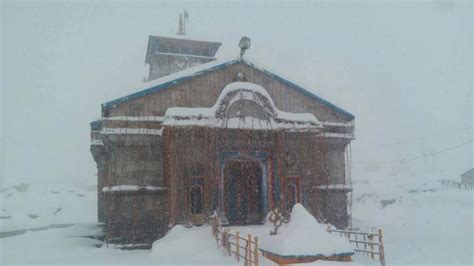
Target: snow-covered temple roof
{"points": [[179, 77]]}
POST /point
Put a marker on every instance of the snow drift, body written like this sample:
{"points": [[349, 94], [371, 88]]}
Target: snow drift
{"points": [[304, 236]]}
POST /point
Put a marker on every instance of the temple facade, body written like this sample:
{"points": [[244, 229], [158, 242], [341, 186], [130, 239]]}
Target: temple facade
{"points": [[223, 137]]}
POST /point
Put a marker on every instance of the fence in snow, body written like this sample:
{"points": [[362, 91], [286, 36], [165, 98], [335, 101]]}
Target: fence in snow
{"points": [[369, 244], [454, 184], [242, 248]]}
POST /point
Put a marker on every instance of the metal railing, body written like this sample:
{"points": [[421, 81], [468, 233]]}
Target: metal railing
{"points": [[369, 244], [454, 184]]}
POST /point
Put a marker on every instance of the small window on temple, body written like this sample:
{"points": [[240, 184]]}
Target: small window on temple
{"points": [[196, 199]]}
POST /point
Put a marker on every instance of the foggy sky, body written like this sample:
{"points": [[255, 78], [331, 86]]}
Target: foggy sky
{"points": [[403, 69]]}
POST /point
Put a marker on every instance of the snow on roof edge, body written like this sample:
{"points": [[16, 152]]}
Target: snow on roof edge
{"points": [[170, 80], [301, 89]]}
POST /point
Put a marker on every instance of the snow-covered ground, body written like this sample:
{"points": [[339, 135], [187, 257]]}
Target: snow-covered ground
{"points": [[423, 223], [67, 246], [292, 238], [33, 205]]}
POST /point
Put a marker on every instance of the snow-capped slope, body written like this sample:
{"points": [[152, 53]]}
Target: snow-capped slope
{"points": [[423, 222]]}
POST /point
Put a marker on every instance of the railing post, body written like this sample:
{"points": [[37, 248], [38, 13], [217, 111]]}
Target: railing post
{"points": [[238, 246], [247, 255], [381, 250], [249, 247], [357, 243], [229, 246], [224, 241], [365, 245], [371, 249], [256, 251]]}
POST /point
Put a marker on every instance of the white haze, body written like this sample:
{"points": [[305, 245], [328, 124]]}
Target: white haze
{"points": [[404, 69]]}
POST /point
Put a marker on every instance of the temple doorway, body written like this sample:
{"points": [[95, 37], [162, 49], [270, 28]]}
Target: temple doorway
{"points": [[243, 199]]}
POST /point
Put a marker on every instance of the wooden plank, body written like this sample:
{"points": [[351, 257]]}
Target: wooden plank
{"points": [[352, 232], [381, 249], [256, 251], [357, 242], [238, 247], [366, 251], [372, 250], [365, 242], [365, 245], [249, 242]]}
